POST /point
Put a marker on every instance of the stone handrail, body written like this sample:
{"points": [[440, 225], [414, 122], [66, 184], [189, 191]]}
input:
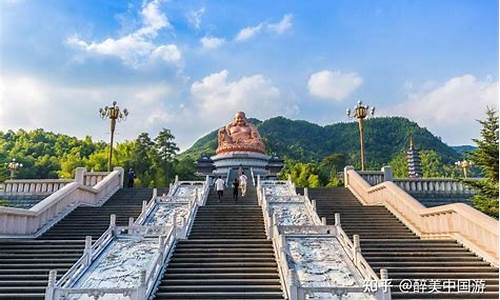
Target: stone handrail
{"points": [[470, 227], [433, 186], [28, 223], [278, 232], [372, 177], [147, 279], [33, 186], [92, 178]]}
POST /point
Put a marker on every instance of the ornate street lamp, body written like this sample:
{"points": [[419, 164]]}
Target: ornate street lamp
{"points": [[361, 112], [113, 113], [465, 165], [13, 166]]}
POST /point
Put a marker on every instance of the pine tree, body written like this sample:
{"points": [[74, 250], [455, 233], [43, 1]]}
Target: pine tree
{"points": [[486, 158]]}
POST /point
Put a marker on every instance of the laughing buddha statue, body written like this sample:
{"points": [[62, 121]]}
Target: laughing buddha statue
{"points": [[239, 135]]}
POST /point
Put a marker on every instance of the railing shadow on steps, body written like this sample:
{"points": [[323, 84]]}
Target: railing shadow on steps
{"points": [[167, 233], [278, 233], [32, 222], [470, 227]]}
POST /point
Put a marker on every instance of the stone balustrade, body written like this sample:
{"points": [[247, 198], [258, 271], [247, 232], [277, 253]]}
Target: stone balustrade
{"points": [[29, 223], [419, 186], [473, 229], [33, 186]]}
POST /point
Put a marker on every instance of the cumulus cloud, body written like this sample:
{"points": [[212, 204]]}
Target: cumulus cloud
{"points": [[137, 47], [450, 108], [210, 42], [218, 98], [73, 109], [194, 17], [280, 27], [333, 84]]}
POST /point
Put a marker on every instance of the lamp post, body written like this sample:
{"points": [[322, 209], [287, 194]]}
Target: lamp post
{"points": [[113, 113], [13, 166], [465, 165], [361, 112]]}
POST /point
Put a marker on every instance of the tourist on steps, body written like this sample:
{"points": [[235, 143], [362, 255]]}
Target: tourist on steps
{"points": [[219, 186], [235, 189], [130, 177], [243, 184]]}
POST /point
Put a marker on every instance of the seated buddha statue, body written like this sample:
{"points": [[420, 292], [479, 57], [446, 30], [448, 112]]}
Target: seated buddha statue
{"points": [[239, 135]]}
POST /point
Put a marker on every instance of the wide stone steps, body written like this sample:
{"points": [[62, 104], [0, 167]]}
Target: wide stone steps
{"points": [[387, 243], [25, 264], [227, 255]]}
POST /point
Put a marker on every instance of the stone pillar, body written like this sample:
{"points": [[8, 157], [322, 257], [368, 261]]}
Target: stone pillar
{"points": [[122, 174], [80, 175], [347, 168], [387, 170]]}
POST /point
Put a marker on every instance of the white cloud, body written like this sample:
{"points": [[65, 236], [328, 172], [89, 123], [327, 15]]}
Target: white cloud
{"points": [[194, 17], [248, 32], [217, 98], [333, 85], [451, 108], [137, 47], [168, 53], [73, 109], [282, 26], [210, 42], [277, 28]]}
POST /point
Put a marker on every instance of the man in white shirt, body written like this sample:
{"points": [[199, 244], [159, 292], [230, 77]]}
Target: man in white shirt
{"points": [[219, 186], [243, 184]]}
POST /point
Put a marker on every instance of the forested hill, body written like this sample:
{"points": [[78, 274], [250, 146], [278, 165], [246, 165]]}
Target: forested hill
{"points": [[305, 141]]}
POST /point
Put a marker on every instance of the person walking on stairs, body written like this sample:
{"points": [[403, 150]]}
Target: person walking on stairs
{"points": [[219, 186], [130, 177], [243, 184], [236, 185]]}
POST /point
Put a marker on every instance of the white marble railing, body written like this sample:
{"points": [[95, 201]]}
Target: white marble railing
{"points": [[291, 218], [167, 217], [29, 223], [458, 221], [98, 265]]}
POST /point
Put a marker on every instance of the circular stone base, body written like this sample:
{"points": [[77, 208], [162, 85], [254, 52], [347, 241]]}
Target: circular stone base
{"points": [[226, 161]]}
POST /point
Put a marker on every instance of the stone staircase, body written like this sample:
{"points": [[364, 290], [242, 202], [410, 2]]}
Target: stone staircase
{"points": [[388, 243], [226, 256], [25, 264]]}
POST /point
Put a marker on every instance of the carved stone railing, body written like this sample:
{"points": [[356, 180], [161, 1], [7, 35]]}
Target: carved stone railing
{"points": [[169, 227], [69, 284], [311, 226], [191, 202], [458, 221], [29, 223]]}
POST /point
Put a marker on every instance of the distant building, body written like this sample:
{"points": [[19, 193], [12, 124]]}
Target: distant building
{"points": [[413, 159]]}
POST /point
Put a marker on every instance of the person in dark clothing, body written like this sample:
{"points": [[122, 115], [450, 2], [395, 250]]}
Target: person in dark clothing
{"points": [[236, 185], [131, 177]]}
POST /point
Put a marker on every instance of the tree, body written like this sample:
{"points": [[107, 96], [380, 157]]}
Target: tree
{"points": [[485, 157], [165, 145]]}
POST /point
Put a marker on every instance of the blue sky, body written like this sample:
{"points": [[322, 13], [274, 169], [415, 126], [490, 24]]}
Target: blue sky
{"points": [[190, 65]]}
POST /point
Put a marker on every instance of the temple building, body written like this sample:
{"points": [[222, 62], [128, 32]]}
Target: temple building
{"points": [[239, 146]]}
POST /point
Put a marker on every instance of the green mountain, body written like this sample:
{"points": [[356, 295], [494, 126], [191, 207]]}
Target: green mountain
{"points": [[463, 149], [306, 141]]}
